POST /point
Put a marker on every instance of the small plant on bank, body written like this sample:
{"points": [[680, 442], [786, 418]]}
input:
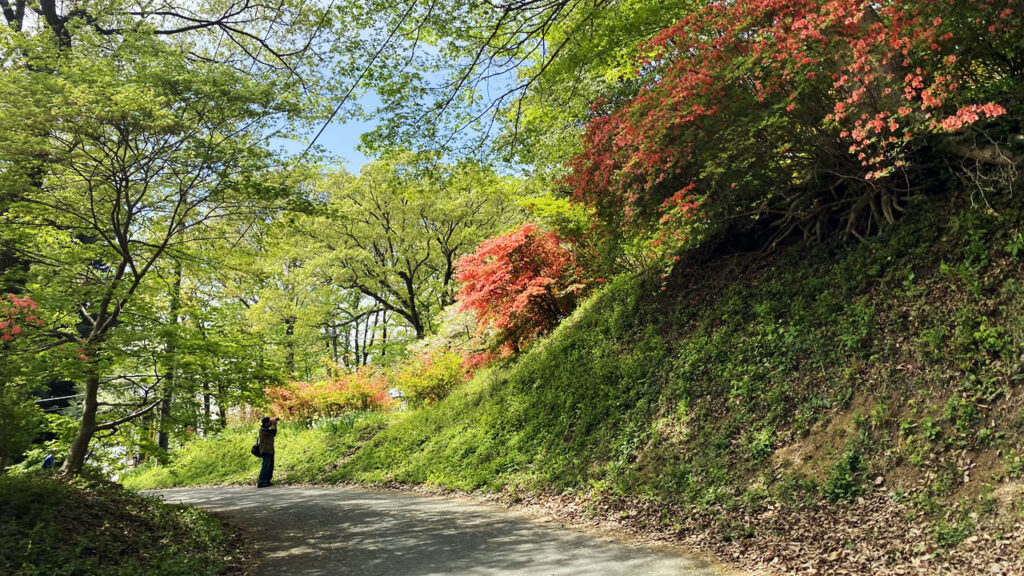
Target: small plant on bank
{"points": [[950, 533], [762, 443], [1014, 464], [845, 479]]}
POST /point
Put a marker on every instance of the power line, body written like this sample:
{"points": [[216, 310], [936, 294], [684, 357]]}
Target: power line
{"points": [[373, 60]]}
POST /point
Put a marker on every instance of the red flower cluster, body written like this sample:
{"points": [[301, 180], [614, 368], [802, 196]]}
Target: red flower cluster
{"points": [[744, 100], [15, 314], [477, 360], [970, 114], [522, 283]]}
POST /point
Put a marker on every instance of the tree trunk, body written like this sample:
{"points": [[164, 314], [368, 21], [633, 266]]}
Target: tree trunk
{"points": [[206, 407], [87, 427], [372, 336], [346, 348], [334, 343], [289, 332], [355, 344], [163, 435], [222, 406], [207, 392], [414, 314]]}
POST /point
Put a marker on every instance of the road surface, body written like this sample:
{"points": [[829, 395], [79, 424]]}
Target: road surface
{"points": [[349, 532]]}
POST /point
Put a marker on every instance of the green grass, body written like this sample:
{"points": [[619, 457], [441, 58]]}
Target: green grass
{"points": [[302, 454], [50, 527], [684, 395]]}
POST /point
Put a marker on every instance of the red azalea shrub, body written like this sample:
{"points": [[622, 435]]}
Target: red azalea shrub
{"points": [[20, 417], [795, 110], [521, 283], [477, 360], [362, 390], [16, 314]]}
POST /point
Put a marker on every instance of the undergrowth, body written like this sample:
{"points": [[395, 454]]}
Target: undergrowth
{"points": [[85, 527], [303, 453]]}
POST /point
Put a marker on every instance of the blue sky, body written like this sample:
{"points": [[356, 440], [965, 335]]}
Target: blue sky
{"points": [[340, 139]]}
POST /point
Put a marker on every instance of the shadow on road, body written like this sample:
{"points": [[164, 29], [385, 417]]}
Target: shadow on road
{"points": [[340, 532]]}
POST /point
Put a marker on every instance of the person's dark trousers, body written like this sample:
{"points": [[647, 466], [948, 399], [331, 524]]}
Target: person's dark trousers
{"points": [[266, 470]]}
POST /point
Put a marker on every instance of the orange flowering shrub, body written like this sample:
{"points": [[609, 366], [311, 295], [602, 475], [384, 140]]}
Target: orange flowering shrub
{"points": [[803, 113], [362, 390]]}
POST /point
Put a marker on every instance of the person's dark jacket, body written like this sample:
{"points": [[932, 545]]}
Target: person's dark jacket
{"points": [[267, 434]]}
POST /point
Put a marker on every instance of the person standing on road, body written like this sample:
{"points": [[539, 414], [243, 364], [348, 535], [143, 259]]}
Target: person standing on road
{"points": [[268, 429]]}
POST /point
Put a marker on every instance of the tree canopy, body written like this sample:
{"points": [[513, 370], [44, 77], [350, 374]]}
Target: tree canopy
{"points": [[122, 149], [394, 233]]}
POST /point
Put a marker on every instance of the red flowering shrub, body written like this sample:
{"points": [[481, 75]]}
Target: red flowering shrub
{"points": [[358, 391], [521, 283], [808, 112], [477, 360], [20, 416], [15, 315]]}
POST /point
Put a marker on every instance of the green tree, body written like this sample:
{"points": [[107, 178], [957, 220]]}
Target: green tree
{"points": [[394, 233], [119, 154]]}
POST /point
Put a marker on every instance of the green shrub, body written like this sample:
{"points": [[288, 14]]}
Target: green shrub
{"points": [[20, 421], [845, 478], [429, 377]]}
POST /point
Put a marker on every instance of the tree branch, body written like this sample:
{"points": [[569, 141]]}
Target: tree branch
{"points": [[115, 423]]}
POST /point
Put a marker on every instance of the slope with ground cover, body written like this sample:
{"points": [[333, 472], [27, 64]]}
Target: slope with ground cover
{"points": [[822, 408], [50, 526]]}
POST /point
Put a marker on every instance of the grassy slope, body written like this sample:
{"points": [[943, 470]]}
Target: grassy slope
{"points": [[304, 454], [51, 527], [689, 396], [808, 376]]}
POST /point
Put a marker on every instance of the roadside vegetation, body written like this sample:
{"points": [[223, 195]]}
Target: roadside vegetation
{"points": [[51, 526], [812, 379], [304, 453]]}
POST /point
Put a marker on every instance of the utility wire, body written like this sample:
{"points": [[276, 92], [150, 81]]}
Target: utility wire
{"points": [[373, 60]]}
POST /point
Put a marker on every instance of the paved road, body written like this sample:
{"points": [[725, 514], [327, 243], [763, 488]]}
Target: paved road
{"points": [[343, 532]]}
